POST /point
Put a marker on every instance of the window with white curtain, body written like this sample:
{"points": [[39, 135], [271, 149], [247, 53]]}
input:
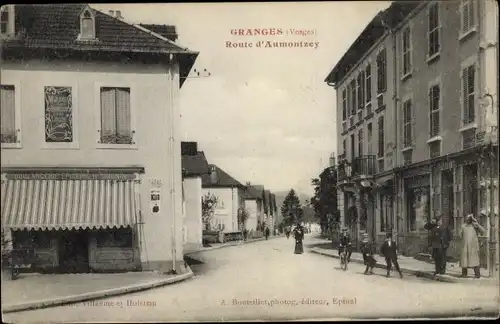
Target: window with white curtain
{"points": [[116, 116], [8, 114]]}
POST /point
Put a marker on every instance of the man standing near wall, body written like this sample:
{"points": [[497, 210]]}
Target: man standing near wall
{"points": [[440, 241]]}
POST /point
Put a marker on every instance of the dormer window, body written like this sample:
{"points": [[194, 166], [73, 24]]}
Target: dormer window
{"points": [[87, 24]]}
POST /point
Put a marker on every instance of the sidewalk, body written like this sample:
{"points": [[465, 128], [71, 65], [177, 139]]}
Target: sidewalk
{"points": [[33, 291], [415, 267], [215, 246]]}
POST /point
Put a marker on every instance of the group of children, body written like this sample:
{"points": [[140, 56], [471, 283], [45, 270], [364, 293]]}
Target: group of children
{"points": [[388, 249]]}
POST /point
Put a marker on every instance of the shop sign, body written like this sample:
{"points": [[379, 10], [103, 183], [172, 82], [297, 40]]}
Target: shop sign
{"points": [[155, 201], [70, 176]]}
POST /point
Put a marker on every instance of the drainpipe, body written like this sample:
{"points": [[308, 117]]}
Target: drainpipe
{"points": [[395, 165], [172, 162]]}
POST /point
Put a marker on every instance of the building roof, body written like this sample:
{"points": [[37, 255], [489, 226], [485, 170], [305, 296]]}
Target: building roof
{"points": [[223, 179], [57, 26], [195, 165], [389, 18], [254, 192], [166, 31]]}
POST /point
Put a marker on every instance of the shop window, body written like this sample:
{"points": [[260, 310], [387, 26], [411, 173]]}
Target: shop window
{"points": [[22, 240], [116, 238], [41, 240]]}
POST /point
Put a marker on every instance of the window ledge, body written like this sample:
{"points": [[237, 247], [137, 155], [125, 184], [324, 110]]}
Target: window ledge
{"points": [[368, 104], [433, 57], [462, 36], [434, 139], [408, 148], [406, 76], [380, 95], [117, 146], [11, 145], [380, 158], [60, 146], [468, 127]]}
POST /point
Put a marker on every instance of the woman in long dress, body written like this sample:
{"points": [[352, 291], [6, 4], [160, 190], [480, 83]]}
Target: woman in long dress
{"points": [[299, 236]]}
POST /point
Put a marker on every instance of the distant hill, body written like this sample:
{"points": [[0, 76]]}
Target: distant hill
{"points": [[280, 197]]}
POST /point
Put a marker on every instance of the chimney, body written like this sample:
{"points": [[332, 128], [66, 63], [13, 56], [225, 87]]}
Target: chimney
{"points": [[214, 176], [119, 14], [248, 183], [112, 13], [189, 148], [332, 159]]}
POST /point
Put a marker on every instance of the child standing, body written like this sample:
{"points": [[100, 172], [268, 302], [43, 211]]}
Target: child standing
{"points": [[389, 251], [367, 250]]}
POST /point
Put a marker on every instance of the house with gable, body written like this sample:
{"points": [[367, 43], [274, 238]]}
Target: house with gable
{"points": [[194, 166], [88, 102], [230, 194]]}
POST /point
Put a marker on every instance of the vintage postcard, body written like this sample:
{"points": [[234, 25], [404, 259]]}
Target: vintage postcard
{"points": [[278, 161]]}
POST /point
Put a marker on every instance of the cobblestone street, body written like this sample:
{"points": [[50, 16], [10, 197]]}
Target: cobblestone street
{"points": [[266, 281]]}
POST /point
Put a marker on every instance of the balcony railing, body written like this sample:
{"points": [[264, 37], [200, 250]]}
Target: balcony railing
{"points": [[363, 165]]}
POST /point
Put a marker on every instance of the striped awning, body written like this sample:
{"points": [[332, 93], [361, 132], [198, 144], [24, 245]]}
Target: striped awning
{"points": [[67, 204]]}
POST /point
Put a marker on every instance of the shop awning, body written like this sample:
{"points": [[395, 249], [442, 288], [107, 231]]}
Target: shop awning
{"points": [[67, 204]]}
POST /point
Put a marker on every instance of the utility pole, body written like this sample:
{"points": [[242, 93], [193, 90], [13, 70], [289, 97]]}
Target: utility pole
{"points": [[493, 212]]}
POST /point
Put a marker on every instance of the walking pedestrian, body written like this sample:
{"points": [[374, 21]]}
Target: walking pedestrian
{"points": [[267, 231], [389, 250], [440, 237], [367, 251], [469, 253], [299, 236]]}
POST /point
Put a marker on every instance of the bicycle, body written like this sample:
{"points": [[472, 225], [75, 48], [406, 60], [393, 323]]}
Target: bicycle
{"points": [[343, 260]]}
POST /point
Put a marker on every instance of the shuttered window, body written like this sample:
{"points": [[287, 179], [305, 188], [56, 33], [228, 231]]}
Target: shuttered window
{"points": [[433, 36], [344, 104], [407, 124], [381, 72], [360, 142], [381, 137], [406, 50], [468, 94], [116, 116], [353, 97], [434, 108], [368, 83], [467, 12], [369, 138], [8, 114]]}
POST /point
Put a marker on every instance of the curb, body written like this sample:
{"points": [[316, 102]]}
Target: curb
{"points": [[417, 273], [235, 243], [96, 294]]}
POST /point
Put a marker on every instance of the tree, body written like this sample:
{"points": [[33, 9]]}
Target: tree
{"points": [[242, 218], [324, 200], [291, 210], [208, 203]]}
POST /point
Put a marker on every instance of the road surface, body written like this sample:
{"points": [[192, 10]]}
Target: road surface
{"points": [[266, 281]]}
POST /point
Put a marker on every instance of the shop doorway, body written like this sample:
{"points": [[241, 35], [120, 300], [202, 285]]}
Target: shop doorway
{"points": [[74, 252]]}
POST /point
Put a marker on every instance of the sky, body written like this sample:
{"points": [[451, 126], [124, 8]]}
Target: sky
{"points": [[264, 115]]}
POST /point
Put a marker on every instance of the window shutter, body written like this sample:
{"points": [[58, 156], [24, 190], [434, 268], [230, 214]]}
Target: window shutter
{"points": [[472, 13], [8, 114], [123, 112], [402, 127], [465, 95], [108, 113], [413, 125]]}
